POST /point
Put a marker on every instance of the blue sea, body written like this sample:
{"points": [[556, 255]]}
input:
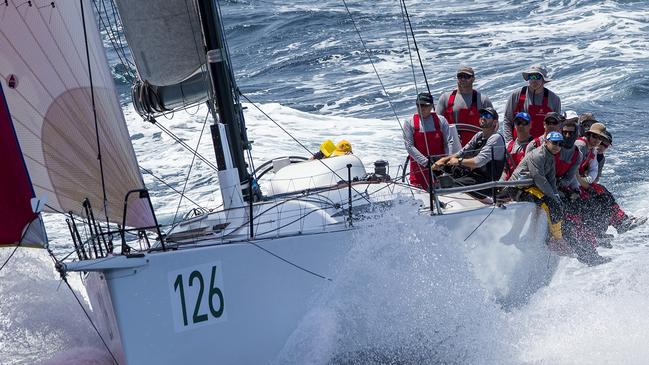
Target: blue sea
{"points": [[303, 63]]}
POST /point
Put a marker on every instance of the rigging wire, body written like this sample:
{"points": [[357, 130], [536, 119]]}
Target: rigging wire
{"points": [[369, 57], [94, 113], [290, 262], [412, 64], [292, 137], [171, 187], [191, 165], [183, 144], [414, 41], [59, 268]]}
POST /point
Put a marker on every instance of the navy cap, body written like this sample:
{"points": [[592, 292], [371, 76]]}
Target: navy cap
{"points": [[424, 99], [489, 110]]}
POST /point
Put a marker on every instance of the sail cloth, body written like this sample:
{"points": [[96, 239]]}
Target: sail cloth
{"points": [[165, 39], [16, 215], [43, 54], [166, 42]]}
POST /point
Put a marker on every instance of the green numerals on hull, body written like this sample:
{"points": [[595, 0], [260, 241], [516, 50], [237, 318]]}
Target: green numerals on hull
{"points": [[190, 291]]}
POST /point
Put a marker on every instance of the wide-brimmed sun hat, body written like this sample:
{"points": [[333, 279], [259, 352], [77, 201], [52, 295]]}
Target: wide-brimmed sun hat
{"points": [[598, 129], [537, 69], [465, 70]]}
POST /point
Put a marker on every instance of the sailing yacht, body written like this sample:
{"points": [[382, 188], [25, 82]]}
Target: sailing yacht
{"points": [[224, 286]]}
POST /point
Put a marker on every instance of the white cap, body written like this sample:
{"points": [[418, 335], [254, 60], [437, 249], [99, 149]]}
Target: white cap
{"points": [[570, 114]]}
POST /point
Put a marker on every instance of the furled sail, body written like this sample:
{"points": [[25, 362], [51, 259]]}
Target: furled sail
{"points": [[48, 90], [166, 43]]}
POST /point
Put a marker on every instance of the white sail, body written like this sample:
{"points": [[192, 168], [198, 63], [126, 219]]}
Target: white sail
{"points": [[165, 38], [44, 65]]}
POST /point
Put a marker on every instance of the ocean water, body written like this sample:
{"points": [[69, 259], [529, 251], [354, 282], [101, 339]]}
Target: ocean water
{"points": [[303, 64]]}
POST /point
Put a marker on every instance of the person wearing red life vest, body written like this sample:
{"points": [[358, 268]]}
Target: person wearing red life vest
{"points": [[588, 146], [462, 104], [585, 121], [426, 135], [516, 147], [568, 160], [599, 204], [482, 159], [534, 99], [551, 123]]}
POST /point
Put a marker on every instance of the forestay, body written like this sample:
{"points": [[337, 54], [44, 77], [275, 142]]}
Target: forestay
{"points": [[47, 86]]}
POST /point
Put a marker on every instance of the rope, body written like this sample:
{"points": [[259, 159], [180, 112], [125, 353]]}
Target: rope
{"points": [[414, 41], [170, 187], [182, 143], [481, 222], [10, 256], [180, 200], [290, 263], [412, 64], [369, 57], [59, 268], [292, 137], [94, 111]]}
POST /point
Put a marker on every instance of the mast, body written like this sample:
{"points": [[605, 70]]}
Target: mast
{"points": [[228, 132]]}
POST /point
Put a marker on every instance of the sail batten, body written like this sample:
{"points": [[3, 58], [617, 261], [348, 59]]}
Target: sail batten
{"points": [[44, 52]]}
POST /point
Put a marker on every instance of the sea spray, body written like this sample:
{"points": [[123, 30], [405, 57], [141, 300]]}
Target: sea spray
{"points": [[405, 293], [39, 315]]}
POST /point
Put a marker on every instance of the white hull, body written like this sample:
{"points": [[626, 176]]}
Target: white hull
{"points": [[265, 298]]}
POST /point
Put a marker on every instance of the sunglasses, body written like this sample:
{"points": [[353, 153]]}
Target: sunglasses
{"points": [[568, 133], [597, 136], [534, 77], [464, 76], [557, 143], [486, 116], [425, 105], [551, 122], [522, 122]]}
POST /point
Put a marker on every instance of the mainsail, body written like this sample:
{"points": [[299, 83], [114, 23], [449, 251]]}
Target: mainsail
{"points": [[166, 42], [51, 67]]}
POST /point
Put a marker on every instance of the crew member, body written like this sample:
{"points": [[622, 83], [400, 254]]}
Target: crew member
{"points": [[462, 104], [516, 147], [601, 209], [567, 161], [426, 136], [534, 99], [588, 145], [551, 123], [539, 165], [483, 158], [585, 121]]}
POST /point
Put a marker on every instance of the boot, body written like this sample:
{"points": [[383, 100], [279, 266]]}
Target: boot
{"points": [[629, 222]]}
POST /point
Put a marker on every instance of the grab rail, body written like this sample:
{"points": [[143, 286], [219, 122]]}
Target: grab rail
{"points": [[487, 185]]}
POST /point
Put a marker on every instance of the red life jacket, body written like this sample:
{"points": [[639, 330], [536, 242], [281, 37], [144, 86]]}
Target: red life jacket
{"points": [[513, 159], [429, 144], [586, 161], [537, 112], [561, 167], [465, 116]]}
